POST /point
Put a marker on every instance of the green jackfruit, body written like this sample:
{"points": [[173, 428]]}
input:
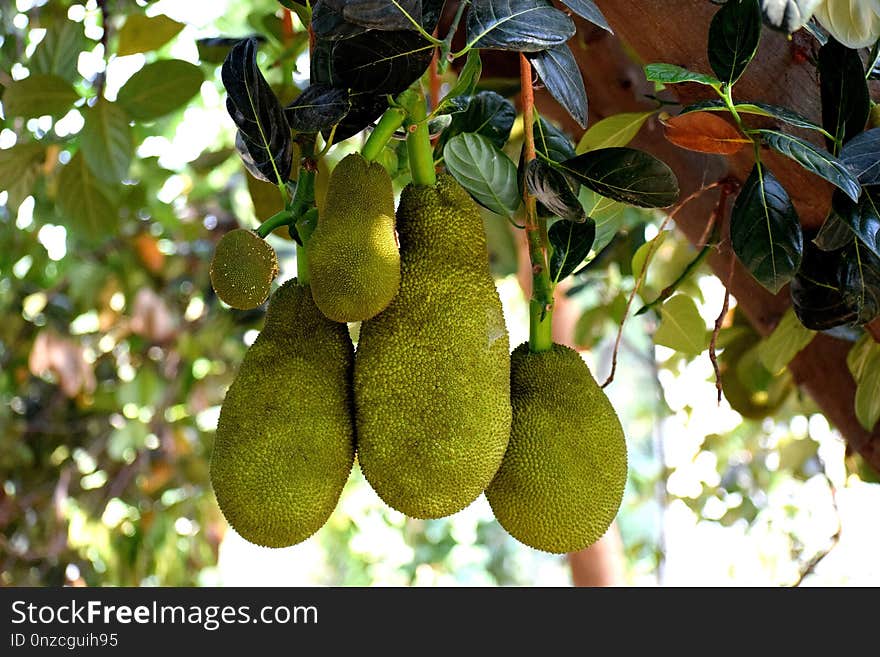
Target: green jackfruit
{"points": [[243, 268], [354, 263], [285, 438], [432, 371], [561, 482]]}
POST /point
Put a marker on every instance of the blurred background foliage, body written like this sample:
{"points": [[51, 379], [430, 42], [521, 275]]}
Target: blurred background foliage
{"points": [[115, 353]]}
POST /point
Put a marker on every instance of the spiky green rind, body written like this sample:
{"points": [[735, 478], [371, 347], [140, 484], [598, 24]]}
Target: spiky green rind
{"points": [[432, 372], [285, 438], [561, 482], [354, 262], [243, 268]]}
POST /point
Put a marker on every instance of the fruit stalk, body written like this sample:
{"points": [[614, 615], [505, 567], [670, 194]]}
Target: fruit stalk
{"points": [[541, 303], [391, 120], [418, 141]]}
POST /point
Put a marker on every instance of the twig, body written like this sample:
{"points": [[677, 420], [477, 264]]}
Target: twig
{"points": [[641, 279], [810, 567], [713, 344]]}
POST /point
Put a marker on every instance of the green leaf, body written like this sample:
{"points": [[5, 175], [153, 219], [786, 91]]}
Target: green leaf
{"points": [[817, 161], [466, 84], [861, 155], [106, 141], [863, 218], [146, 33], [835, 233], [484, 171], [59, 50], [859, 355], [626, 175], [846, 102], [519, 25], [89, 212], [672, 74], [39, 95], [867, 400], [160, 88], [588, 9], [787, 340], [551, 187], [19, 168], [640, 257], [561, 75], [613, 131], [733, 39], [682, 328], [783, 114], [765, 230], [571, 244]]}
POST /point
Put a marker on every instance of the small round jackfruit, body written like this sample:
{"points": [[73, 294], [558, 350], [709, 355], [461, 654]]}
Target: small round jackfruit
{"points": [[243, 268], [561, 481], [354, 262]]}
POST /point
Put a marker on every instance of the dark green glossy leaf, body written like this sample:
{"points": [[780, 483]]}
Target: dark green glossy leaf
{"points": [[519, 25], [560, 73], [484, 171], [846, 102], [814, 160], [487, 114], [759, 109], [787, 15], [571, 243], [861, 155], [834, 234], [160, 88], [672, 74], [733, 39], [627, 175], [329, 24], [552, 142], [837, 288], [318, 108], [765, 231], [365, 109], [588, 9], [379, 14], [551, 187], [263, 132], [379, 61], [863, 218]]}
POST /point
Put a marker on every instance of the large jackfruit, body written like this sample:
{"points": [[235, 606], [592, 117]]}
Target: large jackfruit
{"points": [[285, 438], [354, 262], [432, 372], [561, 482]]}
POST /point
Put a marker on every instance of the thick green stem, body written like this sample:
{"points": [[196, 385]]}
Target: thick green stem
{"points": [[302, 265], [305, 226], [541, 303], [283, 218], [446, 48], [383, 132], [418, 142]]}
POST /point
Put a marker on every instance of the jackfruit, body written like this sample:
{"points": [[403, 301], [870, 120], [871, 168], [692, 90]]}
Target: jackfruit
{"points": [[354, 262], [561, 481], [285, 438], [432, 372], [243, 268]]}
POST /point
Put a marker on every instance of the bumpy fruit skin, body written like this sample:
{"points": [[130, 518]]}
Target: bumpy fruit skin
{"points": [[285, 439], [354, 262], [243, 269], [432, 372], [561, 482]]}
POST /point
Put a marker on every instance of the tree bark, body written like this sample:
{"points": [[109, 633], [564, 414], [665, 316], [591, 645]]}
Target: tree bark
{"points": [[675, 31]]}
